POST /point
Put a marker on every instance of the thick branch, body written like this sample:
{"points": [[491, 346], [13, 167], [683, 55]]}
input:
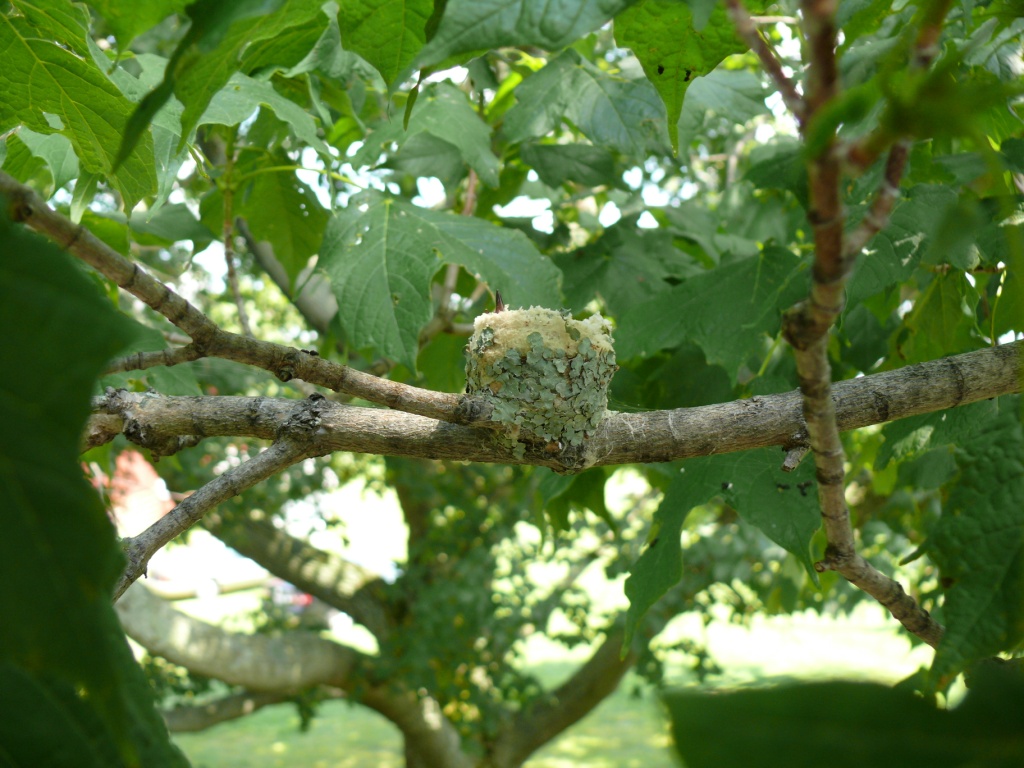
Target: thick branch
{"points": [[429, 735], [340, 583], [207, 338], [272, 664], [622, 438], [567, 704]]}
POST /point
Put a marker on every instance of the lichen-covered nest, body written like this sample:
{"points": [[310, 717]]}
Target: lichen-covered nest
{"points": [[543, 372]]}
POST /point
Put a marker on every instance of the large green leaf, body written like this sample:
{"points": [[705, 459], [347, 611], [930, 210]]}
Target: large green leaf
{"points": [[442, 111], [662, 35], [784, 506], [733, 95], [725, 311], [50, 89], [388, 34], [979, 545], [476, 25], [625, 267], [211, 52], [626, 115], [577, 163], [854, 724], [942, 321], [129, 18], [241, 96], [380, 254], [62, 648]]}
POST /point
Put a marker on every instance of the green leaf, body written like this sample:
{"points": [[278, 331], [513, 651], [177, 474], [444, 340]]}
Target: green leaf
{"points": [[895, 252], [476, 25], [129, 18], [380, 254], [211, 52], [779, 165], [560, 494], [386, 33], [911, 437], [52, 90], [240, 97], [442, 111], [582, 164], [625, 267], [942, 321], [626, 115], [725, 311], [58, 555], [56, 151], [855, 724], [783, 505], [662, 35], [284, 211], [978, 545], [65, 22], [733, 95]]}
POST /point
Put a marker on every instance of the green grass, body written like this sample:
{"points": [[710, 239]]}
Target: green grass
{"points": [[622, 732]]}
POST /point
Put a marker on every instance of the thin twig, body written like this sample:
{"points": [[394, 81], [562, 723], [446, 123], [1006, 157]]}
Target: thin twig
{"points": [[878, 213], [207, 338], [746, 28], [140, 361], [294, 444], [228, 238]]}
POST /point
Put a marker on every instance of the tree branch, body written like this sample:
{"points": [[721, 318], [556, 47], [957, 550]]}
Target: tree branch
{"points": [[187, 718], [336, 581], [207, 338], [272, 664], [622, 438], [569, 703], [747, 29], [140, 361], [293, 445], [807, 326]]}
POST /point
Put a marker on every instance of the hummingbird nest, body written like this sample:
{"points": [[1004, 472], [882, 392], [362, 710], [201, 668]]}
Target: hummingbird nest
{"points": [[545, 374]]}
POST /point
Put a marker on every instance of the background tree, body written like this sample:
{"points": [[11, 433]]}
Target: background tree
{"points": [[716, 179]]}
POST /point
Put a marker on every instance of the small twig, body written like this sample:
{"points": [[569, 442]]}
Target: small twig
{"points": [[878, 214], [140, 361], [746, 28], [442, 319], [228, 237], [207, 338], [794, 456]]}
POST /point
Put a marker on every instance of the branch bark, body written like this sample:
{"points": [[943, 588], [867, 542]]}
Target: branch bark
{"points": [[622, 438], [208, 340], [199, 717], [293, 444], [339, 583], [568, 704], [271, 664], [806, 326]]}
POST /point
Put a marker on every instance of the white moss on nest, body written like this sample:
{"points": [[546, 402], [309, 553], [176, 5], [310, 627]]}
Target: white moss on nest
{"points": [[543, 372]]}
